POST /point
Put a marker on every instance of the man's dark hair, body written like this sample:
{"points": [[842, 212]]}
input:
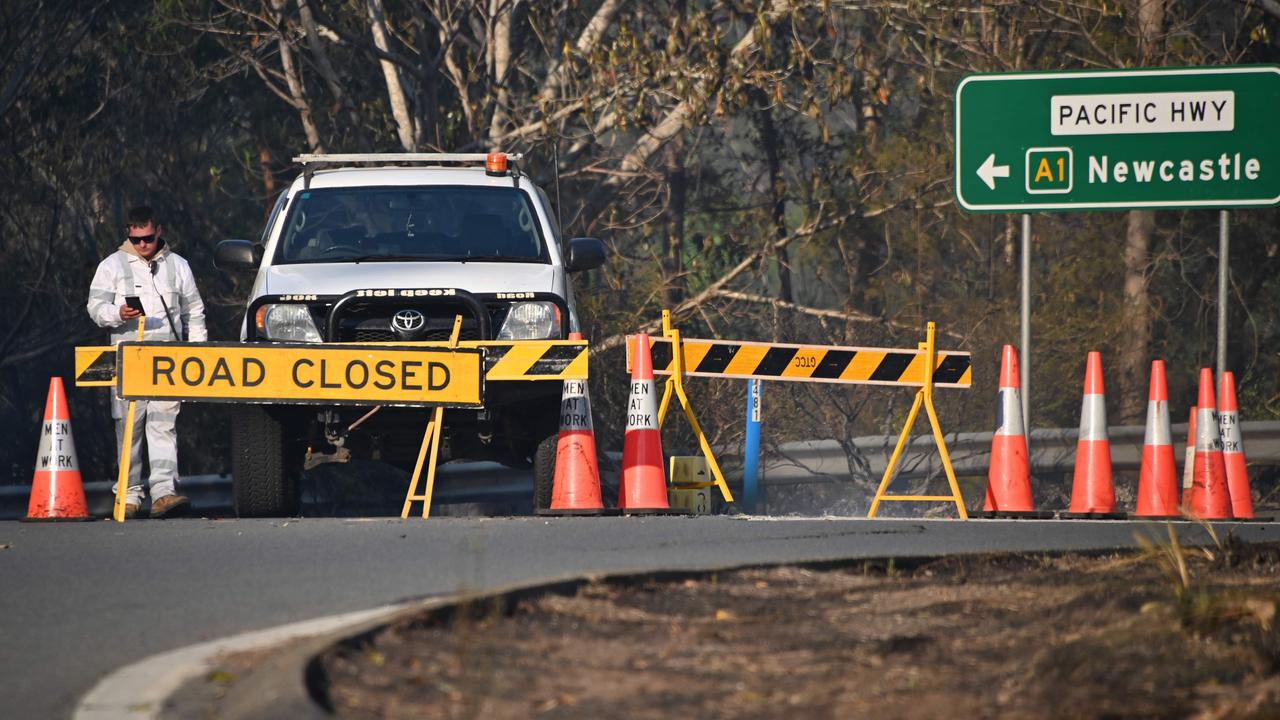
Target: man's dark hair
{"points": [[141, 215]]}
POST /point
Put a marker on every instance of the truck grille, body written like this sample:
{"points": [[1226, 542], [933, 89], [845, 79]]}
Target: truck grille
{"points": [[371, 322], [375, 335]]}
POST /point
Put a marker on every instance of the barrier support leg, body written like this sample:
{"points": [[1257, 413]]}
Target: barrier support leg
{"points": [[897, 454], [430, 447], [126, 447], [675, 385], [923, 397], [946, 457]]}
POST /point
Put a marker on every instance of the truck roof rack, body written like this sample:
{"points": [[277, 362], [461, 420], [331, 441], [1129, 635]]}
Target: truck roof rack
{"points": [[310, 161], [424, 158]]}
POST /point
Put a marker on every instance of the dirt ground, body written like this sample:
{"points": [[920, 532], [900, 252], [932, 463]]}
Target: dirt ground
{"points": [[1167, 632]]}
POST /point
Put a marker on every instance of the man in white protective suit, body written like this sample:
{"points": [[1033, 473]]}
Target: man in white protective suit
{"points": [[143, 272]]}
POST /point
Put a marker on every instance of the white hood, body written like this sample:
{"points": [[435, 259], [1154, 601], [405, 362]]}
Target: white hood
{"points": [[474, 277]]}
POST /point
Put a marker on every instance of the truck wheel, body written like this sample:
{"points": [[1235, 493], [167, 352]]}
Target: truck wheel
{"points": [[544, 472], [265, 463]]}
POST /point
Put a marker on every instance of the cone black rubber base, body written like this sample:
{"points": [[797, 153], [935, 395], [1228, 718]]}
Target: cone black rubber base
{"points": [[1094, 516], [57, 519], [603, 512], [1015, 515], [1160, 518], [655, 511]]}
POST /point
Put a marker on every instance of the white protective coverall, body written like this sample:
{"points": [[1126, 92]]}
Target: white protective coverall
{"points": [[166, 276]]}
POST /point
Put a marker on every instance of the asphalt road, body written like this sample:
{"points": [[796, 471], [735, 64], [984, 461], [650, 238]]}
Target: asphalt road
{"points": [[78, 600]]}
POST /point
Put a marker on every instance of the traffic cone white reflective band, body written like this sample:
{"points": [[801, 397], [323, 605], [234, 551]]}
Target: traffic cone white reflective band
{"points": [[1009, 420], [575, 408], [1189, 461], [1229, 424], [57, 447], [1093, 417], [642, 407], [1158, 432], [1207, 438]]}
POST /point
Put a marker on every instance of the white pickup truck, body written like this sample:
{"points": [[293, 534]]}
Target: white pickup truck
{"points": [[353, 253]]}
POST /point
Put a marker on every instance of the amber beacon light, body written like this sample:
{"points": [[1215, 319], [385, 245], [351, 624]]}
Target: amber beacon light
{"points": [[495, 164]]}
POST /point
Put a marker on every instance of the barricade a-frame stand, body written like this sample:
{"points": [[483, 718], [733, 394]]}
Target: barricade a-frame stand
{"points": [[923, 397], [675, 385], [431, 446]]}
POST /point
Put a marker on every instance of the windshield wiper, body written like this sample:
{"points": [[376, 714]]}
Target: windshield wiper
{"points": [[378, 258], [477, 258], [422, 258]]}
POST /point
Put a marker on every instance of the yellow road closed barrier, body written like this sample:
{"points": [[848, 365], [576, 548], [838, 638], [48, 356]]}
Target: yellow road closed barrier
{"points": [[510, 360], [301, 373]]}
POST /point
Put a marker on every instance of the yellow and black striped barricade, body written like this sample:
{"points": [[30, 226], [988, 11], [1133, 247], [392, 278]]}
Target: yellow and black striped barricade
{"points": [[95, 366], [923, 367], [807, 363], [511, 360]]}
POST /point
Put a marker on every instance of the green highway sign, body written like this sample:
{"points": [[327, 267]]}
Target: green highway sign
{"points": [[1119, 139]]}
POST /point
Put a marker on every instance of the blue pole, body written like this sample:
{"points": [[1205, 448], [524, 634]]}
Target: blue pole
{"points": [[751, 453]]}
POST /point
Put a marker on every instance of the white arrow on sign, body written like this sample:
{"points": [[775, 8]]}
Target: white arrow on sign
{"points": [[990, 171]]}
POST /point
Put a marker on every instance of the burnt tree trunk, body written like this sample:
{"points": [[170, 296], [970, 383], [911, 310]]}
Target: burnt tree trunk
{"points": [[1135, 330]]}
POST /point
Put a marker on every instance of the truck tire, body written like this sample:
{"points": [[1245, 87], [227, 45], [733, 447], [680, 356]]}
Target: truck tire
{"points": [[265, 463], [544, 472]]}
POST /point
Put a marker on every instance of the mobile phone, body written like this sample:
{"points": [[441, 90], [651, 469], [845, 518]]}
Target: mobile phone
{"points": [[134, 303]]}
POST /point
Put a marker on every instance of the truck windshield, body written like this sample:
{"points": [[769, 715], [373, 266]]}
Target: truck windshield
{"points": [[368, 224]]}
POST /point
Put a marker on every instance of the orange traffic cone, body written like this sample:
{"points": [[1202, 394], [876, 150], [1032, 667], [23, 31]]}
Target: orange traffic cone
{"points": [[577, 480], [1210, 495], [1092, 494], [1158, 479], [1009, 478], [644, 481], [1233, 451], [1189, 460], [57, 491]]}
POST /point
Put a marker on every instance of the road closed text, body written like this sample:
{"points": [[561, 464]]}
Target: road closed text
{"points": [[309, 374]]}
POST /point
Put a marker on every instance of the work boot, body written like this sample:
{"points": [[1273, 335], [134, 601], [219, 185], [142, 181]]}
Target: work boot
{"points": [[169, 506], [130, 510]]}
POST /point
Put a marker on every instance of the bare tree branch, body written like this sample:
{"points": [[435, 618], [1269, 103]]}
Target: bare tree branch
{"points": [[391, 75]]}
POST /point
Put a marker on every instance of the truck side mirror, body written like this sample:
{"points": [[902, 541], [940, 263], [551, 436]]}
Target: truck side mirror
{"points": [[585, 253], [237, 255]]}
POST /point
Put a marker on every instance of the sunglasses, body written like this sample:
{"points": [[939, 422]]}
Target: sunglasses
{"points": [[135, 239]]}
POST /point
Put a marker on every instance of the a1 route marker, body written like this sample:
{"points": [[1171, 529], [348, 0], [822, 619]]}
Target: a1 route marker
{"points": [[1118, 139]]}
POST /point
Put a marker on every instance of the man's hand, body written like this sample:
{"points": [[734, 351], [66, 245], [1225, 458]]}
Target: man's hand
{"points": [[128, 313]]}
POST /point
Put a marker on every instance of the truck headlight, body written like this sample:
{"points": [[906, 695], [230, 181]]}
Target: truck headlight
{"points": [[531, 321], [287, 322]]}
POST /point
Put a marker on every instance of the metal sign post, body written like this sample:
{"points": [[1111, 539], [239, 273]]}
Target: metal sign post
{"points": [[1224, 279], [751, 445], [1025, 360]]}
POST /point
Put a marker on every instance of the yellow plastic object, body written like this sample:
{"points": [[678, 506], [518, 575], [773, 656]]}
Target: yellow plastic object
{"points": [[674, 385], [431, 445], [690, 484], [924, 396]]}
